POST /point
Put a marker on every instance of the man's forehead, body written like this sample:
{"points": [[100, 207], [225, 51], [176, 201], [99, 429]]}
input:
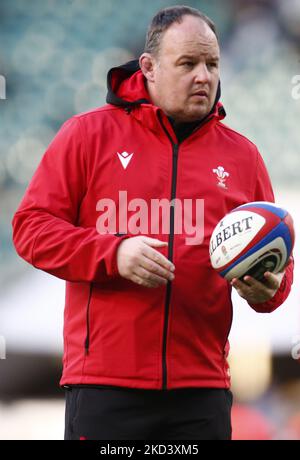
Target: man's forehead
{"points": [[195, 49], [191, 48]]}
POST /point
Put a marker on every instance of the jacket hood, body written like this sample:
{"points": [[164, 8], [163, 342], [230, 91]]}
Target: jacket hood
{"points": [[126, 88]]}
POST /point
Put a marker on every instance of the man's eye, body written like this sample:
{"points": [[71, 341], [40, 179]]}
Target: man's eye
{"points": [[188, 64], [212, 64]]}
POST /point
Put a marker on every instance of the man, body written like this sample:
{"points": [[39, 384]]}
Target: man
{"points": [[146, 317]]}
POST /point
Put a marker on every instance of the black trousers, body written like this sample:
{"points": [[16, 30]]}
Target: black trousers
{"points": [[114, 413]]}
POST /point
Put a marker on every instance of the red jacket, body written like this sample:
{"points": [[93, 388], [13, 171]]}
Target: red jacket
{"points": [[117, 332]]}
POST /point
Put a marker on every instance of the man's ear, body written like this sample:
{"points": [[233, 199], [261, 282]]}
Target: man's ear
{"points": [[147, 65]]}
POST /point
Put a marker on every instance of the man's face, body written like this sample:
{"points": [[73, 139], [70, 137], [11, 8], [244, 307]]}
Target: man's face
{"points": [[186, 70]]}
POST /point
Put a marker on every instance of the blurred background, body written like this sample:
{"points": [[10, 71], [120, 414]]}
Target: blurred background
{"points": [[54, 56]]}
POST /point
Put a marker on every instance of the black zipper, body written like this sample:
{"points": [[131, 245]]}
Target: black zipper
{"points": [[175, 150], [170, 257], [87, 339]]}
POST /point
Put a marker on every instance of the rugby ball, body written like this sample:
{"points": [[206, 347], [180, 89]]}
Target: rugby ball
{"points": [[252, 239]]}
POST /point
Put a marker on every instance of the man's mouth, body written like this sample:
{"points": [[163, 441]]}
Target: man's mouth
{"points": [[201, 93]]}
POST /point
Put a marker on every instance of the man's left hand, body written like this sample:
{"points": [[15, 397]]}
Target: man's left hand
{"points": [[255, 291]]}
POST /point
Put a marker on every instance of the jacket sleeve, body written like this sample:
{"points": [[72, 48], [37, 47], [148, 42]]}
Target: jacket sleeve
{"points": [[263, 192], [45, 226]]}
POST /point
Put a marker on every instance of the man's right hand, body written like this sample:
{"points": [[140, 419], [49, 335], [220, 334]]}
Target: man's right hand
{"points": [[139, 262]]}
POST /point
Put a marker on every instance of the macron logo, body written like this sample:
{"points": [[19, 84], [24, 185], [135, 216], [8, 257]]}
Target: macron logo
{"points": [[125, 158]]}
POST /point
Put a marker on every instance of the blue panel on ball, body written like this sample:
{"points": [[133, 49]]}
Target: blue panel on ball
{"points": [[280, 212], [281, 230]]}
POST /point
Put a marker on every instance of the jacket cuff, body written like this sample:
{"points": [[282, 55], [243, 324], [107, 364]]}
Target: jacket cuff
{"points": [[112, 269]]}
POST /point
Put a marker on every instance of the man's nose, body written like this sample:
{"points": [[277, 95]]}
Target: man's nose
{"points": [[202, 73]]}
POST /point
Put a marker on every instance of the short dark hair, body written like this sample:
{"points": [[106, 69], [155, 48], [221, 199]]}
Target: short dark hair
{"points": [[165, 18]]}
